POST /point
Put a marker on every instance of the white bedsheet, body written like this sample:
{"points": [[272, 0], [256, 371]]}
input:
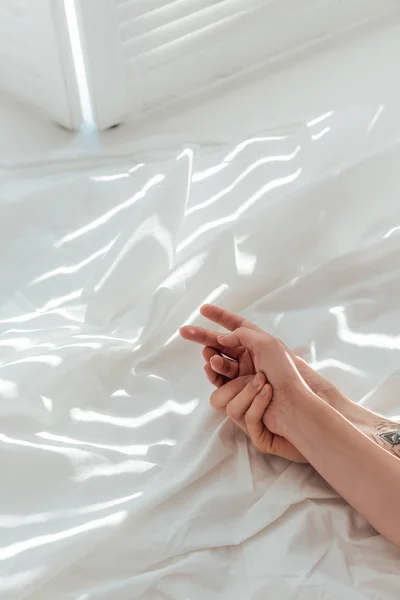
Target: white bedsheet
{"points": [[118, 481]]}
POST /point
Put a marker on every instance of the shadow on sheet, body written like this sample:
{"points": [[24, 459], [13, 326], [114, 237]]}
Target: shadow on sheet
{"points": [[117, 479]]}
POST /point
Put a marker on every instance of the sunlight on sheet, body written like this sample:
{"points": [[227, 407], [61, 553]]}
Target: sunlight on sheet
{"points": [[52, 361], [321, 133], [201, 175], [77, 456], [133, 450], [372, 340], [245, 261], [170, 406], [68, 270], [8, 389], [120, 468], [109, 177], [319, 365], [320, 119], [18, 548], [391, 232], [212, 297], [242, 176], [111, 213], [242, 209], [8, 521]]}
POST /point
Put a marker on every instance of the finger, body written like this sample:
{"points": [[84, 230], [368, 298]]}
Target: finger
{"points": [[258, 433], [270, 354], [199, 335], [206, 337], [237, 408], [220, 398], [208, 352], [221, 364], [213, 377], [225, 318], [230, 368], [224, 366], [241, 337]]}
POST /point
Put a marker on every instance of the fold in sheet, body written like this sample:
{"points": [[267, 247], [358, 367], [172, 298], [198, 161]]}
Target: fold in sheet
{"points": [[118, 479]]}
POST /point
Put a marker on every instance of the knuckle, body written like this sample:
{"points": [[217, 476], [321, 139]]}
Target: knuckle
{"points": [[250, 418], [271, 343], [251, 392], [215, 400], [250, 389], [230, 321], [225, 367], [233, 412], [269, 340], [258, 445], [247, 417]]}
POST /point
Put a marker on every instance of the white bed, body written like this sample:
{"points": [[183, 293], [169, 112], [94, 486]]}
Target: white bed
{"points": [[118, 481]]}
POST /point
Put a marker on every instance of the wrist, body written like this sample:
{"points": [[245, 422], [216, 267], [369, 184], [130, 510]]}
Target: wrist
{"points": [[353, 412], [339, 402], [307, 406]]}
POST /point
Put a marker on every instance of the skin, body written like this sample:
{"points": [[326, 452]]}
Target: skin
{"points": [[363, 472], [229, 371], [246, 403]]}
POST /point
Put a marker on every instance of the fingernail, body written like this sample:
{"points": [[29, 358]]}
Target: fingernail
{"points": [[256, 381], [263, 391], [191, 330]]}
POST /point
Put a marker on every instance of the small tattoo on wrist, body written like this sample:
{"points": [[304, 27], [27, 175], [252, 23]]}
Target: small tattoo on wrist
{"points": [[388, 435]]}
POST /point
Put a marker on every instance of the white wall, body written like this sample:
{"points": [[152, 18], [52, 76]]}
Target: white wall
{"points": [[105, 61], [360, 68], [32, 52]]}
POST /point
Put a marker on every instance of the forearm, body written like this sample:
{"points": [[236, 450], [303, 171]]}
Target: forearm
{"points": [[384, 432], [366, 475]]}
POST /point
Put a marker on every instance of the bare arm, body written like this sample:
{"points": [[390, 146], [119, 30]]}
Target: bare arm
{"points": [[384, 432], [361, 471], [221, 370]]}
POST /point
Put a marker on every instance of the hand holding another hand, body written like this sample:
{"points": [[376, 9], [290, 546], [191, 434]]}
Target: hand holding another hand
{"points": [[246, 400], [233, 360], [275, 403], [224, 364], [288, 409]]}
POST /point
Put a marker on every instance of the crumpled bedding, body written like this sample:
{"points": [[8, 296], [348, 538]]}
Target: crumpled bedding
{"points": [[118, 481]]}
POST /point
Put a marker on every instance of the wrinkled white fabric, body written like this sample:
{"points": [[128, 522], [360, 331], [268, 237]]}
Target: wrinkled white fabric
{"points": [[118, 481]]}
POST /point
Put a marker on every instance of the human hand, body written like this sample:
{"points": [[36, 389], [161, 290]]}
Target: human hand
{"points": [[228, 369], [271, 357], [245, 400], [220, 369]]}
